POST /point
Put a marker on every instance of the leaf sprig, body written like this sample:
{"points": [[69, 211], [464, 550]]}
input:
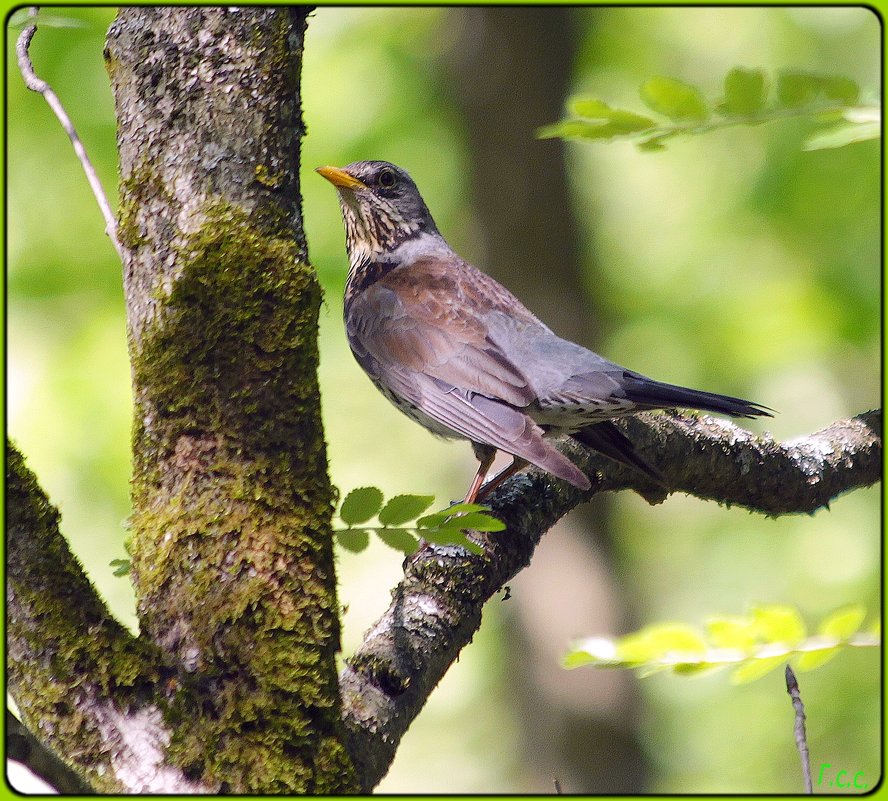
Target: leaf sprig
{"points": [[752, 644], [831, 100], [444, 527]]}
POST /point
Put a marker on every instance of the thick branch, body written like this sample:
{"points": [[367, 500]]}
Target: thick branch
{"points": [[436, 608], [83, 684], [24, 747]]}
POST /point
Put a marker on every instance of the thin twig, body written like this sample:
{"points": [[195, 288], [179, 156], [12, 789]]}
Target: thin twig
{"points": [[36, 84], [792, 687]]}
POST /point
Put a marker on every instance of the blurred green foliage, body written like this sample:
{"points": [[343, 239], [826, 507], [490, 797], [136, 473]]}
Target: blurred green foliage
{"points": [[829, 101], [741, 264]]}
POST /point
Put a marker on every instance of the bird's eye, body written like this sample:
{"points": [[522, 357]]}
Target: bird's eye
{"points": [[387, 178]]}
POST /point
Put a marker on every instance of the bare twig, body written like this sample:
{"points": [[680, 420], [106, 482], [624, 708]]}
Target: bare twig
{"points": [[23, 747], [37, 84], [792, 687]]}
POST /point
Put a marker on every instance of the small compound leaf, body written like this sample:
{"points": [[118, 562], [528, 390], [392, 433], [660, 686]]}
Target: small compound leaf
{"points": [[846, 133], [399, 539], [121, 566], [460, 507], [475, 521], [844, 622], [353, 539], [674, 99], [809, 660], [731, 631], [451, 536], [619, 120], [779, 624], [360, 505], [797, 89], [755, 669], [744, 92], [402, 508]]}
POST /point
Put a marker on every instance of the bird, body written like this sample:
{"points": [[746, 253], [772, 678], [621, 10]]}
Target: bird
{"points": [[458, 353]]}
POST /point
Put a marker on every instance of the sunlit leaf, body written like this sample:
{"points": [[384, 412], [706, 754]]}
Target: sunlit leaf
{"points": [[844, 622], [755, 669], [354, 539], [731, 631], [779, 624], [674, 99], [811, 660], [620, 120], [402, 508], [360, 505], [399, 539], [659, 640]]}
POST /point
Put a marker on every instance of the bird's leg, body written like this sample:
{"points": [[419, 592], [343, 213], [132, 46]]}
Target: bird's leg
{"points": [[485, 455], [499, 478]]}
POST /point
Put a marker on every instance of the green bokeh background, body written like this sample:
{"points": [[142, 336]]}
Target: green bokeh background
{"points": [[734, 262]]}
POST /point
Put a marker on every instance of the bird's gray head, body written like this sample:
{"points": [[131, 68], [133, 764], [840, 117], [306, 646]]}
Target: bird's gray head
{"points": [[381, 208]]}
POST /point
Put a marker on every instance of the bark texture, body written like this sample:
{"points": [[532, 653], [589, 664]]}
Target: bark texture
{"points": [[85, 687], [436, 609], [232, 550]]}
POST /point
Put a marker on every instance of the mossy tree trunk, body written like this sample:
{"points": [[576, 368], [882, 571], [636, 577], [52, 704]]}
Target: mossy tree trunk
{"points": [[232, 549], [231, 543]]}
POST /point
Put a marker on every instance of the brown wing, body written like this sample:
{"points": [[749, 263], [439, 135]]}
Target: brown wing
{"points": [[421, 333]]}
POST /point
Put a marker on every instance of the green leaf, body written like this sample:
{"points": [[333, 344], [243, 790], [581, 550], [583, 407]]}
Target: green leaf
{"points": [[619, 120], [797, 89], [677, 641], [402, 508], [360, 505], [845, 133], [454, 536], [399, 539], [744, 92], [121, 566], [755, 669], [354, 539], [779, 624], [674, 99], [460, 507], [809, 660], [475, 521], [432, 521], [842, 623], [731, 631]]}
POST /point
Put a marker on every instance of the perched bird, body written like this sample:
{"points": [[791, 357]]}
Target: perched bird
{"points": [[458, 353]]}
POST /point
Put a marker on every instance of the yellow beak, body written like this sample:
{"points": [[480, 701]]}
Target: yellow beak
{"points": [[339, 177]]}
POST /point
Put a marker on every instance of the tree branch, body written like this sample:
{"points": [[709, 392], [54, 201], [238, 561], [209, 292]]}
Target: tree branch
{"points": [[36, 84], [436, 608], [82, 683], [24, 747]]}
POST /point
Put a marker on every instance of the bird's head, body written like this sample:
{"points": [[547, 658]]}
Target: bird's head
{"points": [[381, 208]]}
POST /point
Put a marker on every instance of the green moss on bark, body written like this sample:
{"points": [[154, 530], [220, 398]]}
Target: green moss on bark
{"points": [[65, 651], [232, 548]]}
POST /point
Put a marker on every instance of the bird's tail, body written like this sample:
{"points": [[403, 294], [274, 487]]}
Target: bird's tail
{"points": [[646, 392], [607, 439]]}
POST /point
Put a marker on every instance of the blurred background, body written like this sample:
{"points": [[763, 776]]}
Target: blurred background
{"points": [[733, 262]]}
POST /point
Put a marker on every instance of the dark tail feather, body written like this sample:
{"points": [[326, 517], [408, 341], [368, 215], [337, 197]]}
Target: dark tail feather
{"points": [[607, 439], [654, 395]]}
